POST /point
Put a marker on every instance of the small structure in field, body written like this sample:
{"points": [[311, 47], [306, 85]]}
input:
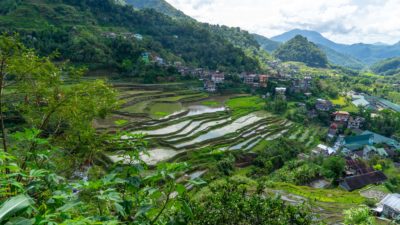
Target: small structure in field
{"points": [[210, 86]]}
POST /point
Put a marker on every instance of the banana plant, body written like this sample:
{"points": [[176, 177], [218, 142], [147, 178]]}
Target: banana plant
{"points": [[14, 205]]}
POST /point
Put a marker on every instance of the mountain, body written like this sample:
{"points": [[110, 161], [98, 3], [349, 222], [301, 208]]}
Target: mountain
{"points": [[366, 53], [387, 67], [239, 38], [158, 5], [342, 59], [299, 49], [266, 43], [312, 36], [100, 34]]}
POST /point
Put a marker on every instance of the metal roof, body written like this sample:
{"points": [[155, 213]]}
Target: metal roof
{"points": [[393, 201]]}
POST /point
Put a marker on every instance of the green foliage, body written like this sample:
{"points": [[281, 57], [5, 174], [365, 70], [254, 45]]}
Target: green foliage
{"points": [[274, 156], [299, 49], [79, 31], [13, 206], [333, 167], [158, 5], [297, 172], [359, 216], [230, 203], [244, 105], [267, 44], [47, 170], [321, 195], [387, 67], [278, 106]]}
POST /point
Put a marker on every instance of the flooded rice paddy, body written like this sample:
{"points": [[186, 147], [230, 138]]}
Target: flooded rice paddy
{"points": [[190, 121]]}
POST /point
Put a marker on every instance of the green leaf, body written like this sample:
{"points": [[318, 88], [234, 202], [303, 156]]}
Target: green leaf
{"points": [[120, 209], [20, 221], [197, 181], [180, 189], [68, 206], [38, 173], [14, 205], [143, 210]]}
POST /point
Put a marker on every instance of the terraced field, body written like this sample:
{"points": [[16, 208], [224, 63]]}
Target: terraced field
{"points": [[183, 121]]}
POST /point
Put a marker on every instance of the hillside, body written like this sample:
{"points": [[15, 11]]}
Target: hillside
{"points": [[99, 34], [387, 67], [299, 49], [236, 36], [266, 43], [366, 53], [158, 5], [341, 59]]}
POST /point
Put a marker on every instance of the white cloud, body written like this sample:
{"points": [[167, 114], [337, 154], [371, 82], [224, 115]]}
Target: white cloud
{"points": [[347, 21]]}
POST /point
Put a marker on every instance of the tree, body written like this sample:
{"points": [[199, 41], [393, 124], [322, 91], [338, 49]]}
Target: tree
{"points": [[333, 167], [299, 49], [359, 216], [230, 203], [57, 140]]}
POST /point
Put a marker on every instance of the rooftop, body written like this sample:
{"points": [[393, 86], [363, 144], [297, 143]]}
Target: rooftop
{"points": [[360, 181], [393, 201]]}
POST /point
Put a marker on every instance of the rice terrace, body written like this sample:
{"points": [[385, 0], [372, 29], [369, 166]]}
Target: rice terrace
{"points": [[177, 122]]}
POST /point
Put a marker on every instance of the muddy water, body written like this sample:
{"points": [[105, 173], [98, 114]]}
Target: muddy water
{"points": [[166, 130], [201, 128], [201, 109], [228, 129]]}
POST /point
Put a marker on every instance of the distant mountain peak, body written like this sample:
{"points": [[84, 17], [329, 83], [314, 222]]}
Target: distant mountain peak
{"points": [[312, 36]]}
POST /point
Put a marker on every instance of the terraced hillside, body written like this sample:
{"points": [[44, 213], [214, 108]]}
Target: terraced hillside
{"points": [[178, 122]]}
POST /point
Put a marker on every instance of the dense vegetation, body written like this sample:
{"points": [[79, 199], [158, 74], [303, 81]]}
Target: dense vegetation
{"points": [[158, 5], [80, 31], [267, 44], [366, 53], [387, 67], [299, 49], [53, 172]]}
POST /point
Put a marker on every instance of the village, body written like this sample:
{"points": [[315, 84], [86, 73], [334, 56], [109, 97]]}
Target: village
{"points": [[346, 135]]}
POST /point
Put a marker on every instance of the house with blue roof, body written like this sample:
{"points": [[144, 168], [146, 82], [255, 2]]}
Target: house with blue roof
{"points": [[369, 138], [353, 143], [380, 139]]}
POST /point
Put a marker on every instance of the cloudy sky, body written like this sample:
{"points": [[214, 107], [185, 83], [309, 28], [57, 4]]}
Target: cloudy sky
{"points": [[345, 21]]}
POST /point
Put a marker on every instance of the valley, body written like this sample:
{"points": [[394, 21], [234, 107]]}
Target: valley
{"points": [[133, 112]]}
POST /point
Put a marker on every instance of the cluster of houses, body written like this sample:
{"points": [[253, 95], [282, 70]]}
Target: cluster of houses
{"points": [[255, 80], [123, 35]]}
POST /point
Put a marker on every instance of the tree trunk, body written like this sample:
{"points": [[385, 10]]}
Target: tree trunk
{"points": [[2, 127]]}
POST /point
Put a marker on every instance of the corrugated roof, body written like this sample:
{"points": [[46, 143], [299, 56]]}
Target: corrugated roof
{"points": [[363, 139], [360, 181], [393, 201], [378, 139], [360, 102]]}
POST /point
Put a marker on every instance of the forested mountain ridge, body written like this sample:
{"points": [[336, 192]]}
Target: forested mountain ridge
{"points": [[266, 43], [299, 49], [158, 5], [80, 31], [387, 67], [366, 53], [236, 36]]}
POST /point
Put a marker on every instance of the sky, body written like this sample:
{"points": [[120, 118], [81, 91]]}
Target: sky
{"points": [[343, 21]]}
